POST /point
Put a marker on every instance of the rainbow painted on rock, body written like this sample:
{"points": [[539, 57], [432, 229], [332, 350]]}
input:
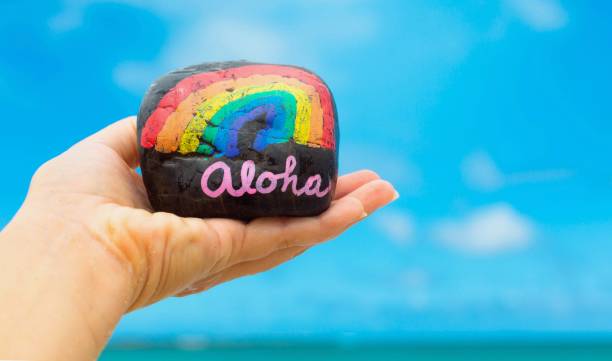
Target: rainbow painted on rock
{"points": [[204, 113]]}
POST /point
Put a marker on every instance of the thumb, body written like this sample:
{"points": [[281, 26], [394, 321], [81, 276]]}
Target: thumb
{"points": [[120, 137]]}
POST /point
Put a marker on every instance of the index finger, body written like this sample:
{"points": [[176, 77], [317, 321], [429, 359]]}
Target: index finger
{"points": [[263, 236], [350, 182]]}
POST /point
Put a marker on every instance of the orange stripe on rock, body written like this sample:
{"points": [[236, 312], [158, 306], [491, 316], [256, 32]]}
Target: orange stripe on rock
{"points": [[169, 138]]}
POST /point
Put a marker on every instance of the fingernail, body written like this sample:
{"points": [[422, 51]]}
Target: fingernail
{"points": [[363, 215], [395, 196]]}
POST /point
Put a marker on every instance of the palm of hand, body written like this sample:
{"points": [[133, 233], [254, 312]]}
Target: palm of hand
{"points": [[94, 185]]}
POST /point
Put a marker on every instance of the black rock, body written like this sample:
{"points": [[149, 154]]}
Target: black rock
{"points": [[239, 140]]}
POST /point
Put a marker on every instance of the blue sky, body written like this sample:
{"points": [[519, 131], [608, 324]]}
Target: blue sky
{"points": [[491, 118]]}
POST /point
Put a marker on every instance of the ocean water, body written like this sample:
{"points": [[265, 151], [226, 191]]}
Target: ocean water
{"points": [[472, 352]]}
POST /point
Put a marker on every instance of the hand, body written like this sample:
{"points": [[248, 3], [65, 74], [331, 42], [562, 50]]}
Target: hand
{"points": [[85, 247]]}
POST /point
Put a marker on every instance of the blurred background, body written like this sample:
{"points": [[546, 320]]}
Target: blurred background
{"points": [[492, 118]]}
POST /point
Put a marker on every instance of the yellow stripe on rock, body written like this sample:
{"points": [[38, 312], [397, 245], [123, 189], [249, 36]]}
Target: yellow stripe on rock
{"points": [[206, 111]]}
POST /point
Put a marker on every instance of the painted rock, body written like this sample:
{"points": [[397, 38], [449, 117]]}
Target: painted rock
{"points": [[239, 140]]}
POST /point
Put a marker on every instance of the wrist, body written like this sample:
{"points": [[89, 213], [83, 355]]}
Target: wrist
{"points": [[55, 284]]}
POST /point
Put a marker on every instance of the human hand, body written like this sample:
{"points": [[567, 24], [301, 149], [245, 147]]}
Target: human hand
{"points": [[85, 247]]}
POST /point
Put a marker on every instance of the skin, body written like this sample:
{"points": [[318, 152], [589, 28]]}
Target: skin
{"points": [[85, 247]]}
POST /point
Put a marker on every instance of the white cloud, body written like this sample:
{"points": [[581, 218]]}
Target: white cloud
{"points": [[215, 40], [415, 278], [227, 34], [397, 226], [236, 30], [538, 15], [225, 38], [295, 33], [537, 176], [397, 167], [134, 76], [541, 15], [416, 283], [487, 230], [480, 172], [70, 18]]}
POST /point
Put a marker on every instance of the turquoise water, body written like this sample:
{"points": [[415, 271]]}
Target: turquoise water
{"points": [[525, 352]]}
